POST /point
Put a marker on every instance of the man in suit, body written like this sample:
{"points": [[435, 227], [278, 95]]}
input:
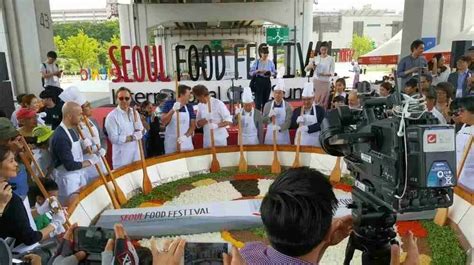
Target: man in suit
{"points": [[460, 78]]}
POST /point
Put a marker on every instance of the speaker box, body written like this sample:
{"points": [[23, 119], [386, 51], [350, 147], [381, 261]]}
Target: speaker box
{"points": [[458, 49], [6, 93], [3, 67]]}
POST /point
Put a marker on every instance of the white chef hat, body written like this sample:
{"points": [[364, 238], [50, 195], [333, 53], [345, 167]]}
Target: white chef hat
{"points": [[280, 85], [72, 94], [308, 90], [247, 95]]}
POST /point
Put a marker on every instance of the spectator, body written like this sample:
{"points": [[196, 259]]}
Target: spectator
{"points": [[470, 53], [460, 78], [411, 87], [338, 101], [30, 101], [41, 153], [18, 106], [354, 101], [324, 67], [430, 106], [356, 69], [454, 114], [339, 90], [304, 202], [439, 70], [50, 72], [26, 117], [51, 108], [466, 115], [413, 64], [444, 95], [261, 71], [386, 89], [14, 221], [43, 219], [425, 83], [147, 116]]}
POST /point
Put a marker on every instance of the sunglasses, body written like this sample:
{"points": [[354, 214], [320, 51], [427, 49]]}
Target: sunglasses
{"points": [[124, 98]]}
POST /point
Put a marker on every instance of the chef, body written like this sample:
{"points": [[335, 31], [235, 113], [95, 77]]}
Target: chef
{"points": [[67, 152], [251, 119], [281, 110], [308, 123], [218, 120], [187, 121], [466, 115], [124, 128]]}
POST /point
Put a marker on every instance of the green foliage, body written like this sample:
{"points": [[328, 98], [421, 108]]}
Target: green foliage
{"points": [[361, 45], [259, 231], [104, 51], [445, 247], [81, 49], [101, 31]]}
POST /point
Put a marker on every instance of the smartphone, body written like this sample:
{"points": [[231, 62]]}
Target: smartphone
{"points": [[92, 239], [205, 253]]}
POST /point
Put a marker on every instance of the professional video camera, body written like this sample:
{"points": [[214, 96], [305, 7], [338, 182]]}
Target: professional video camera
{"points": [[402, 163]]}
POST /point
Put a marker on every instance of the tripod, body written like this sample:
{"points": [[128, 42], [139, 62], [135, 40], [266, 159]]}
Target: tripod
{"points": [[373, 231]]}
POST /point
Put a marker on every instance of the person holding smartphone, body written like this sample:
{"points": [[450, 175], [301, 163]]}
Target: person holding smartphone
{"points": [[49, 70], [262, 69], [323, 66]]}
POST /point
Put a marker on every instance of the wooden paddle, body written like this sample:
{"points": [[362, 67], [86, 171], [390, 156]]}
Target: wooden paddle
{"points": [[441, 216], [36, 179], [115, 203], [242, 161], [178, 145], [215, 167], [276, 167], [336, 171], [122, 199], [146, 180], [296, 163]]}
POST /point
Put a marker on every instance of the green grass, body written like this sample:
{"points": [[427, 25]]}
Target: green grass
{"points": [[444, 245]]}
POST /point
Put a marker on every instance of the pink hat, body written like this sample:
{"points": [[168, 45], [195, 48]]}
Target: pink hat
{"points": [[25, 113]]}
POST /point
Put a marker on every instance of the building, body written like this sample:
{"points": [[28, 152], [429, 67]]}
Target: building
{"points": [[340, 26]]}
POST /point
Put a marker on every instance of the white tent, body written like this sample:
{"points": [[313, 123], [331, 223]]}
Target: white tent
{"points": [[386, 53], [445, 46]]}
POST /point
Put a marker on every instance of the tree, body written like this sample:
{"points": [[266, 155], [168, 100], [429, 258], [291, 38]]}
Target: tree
{"points": [[82, 49], [361, 45], [101, 31], [104, 51]]}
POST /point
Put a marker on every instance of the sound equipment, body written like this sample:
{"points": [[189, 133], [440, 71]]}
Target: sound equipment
{"points": [[3, 67], [458, 49]]}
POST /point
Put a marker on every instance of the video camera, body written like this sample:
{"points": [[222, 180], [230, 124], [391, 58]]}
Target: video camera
{"points": [[400, 164]]}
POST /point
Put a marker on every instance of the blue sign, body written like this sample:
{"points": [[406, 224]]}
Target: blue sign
{"points": [[430, 42], [440, 175]]}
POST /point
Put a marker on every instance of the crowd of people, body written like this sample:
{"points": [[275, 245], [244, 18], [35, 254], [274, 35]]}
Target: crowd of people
{"points": [[68, 146]]}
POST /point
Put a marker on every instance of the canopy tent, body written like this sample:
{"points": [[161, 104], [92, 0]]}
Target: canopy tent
{"points": [[445, 46], [386, 53]]}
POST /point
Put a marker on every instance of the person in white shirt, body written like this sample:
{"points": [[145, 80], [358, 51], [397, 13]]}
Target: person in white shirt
{"points": [[324, 67], [124, 128], [430, 106], [251, 119], [466, 115], [50, 72], [439, 70], [217, 120]]}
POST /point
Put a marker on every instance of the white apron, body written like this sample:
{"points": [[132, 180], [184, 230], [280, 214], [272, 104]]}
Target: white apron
{"points": [[170, 133], [281, 137], [462, 139], [126, 153], [310, 139], [220, 134], [69, 181], [249, 130], [90, 173]]}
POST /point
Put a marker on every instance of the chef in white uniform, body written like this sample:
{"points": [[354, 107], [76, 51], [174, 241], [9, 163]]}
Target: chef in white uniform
{"points": [[252, 123], [218, 120], [187, 121], [67, 151], [124, 130], [466, 115], [282, 111], [309, 124]]}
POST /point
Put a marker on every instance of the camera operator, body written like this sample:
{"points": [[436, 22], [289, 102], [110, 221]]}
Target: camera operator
{"points": [[297, 213]]}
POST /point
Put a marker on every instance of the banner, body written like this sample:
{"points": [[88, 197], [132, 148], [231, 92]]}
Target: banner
{"points": [[195, 219]]}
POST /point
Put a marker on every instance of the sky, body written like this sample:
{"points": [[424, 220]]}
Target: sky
{"points": [[324, 5]]}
